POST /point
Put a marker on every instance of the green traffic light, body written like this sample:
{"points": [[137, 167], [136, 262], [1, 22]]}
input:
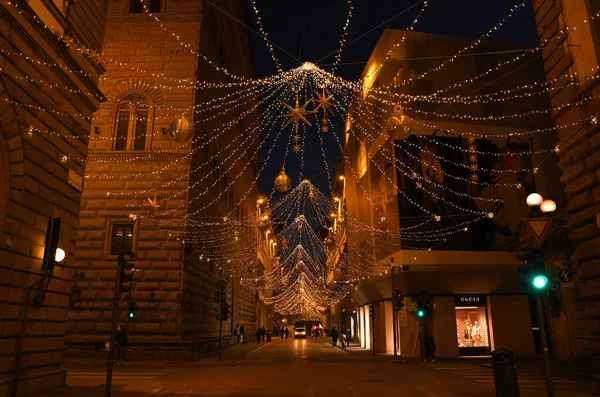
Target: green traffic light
{"points": [[420, 313], [540, 281]]}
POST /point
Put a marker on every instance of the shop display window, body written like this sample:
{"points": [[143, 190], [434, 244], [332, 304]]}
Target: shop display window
{"points": [[472, 331]]}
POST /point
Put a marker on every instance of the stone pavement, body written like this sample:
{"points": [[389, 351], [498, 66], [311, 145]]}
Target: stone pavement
{"points": [[305, 368]]}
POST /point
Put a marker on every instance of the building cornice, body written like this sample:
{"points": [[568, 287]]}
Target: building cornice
{"points": [[138, 157], [144, 19]]}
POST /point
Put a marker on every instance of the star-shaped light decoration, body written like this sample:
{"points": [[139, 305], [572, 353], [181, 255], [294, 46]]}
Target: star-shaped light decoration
{"points": [[154, 204], [473, 158], [418, 185], [471, 139], [325, 103], [296, 138], [325, 128], [297, 149], [474, 167], [297, 114], [475, 177]]}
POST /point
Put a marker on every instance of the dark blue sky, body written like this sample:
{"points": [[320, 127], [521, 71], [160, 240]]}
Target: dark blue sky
{"points": [[312, 28]]}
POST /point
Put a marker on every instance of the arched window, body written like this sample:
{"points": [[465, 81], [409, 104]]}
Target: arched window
{"points": [[132, 124]]}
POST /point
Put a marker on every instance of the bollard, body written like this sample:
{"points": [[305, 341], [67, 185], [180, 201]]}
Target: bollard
{"points": [[505, 373]]}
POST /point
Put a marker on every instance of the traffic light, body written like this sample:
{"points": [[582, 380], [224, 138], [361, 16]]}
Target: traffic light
{"points": [[536, 269], [126, 269], [224, 311], [398, 300], [131, 311], [372, 311]]}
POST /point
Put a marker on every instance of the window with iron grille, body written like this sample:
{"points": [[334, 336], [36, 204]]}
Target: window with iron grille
{"points": [[121, 238], [132, 123]]}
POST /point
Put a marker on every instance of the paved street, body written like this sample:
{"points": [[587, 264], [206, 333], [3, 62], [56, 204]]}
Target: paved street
{"points": [[305, 368]]}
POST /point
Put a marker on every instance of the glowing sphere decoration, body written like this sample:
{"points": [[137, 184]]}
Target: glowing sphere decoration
{"points": [[182, 130], [263, 225], [399, 126], [283, 182]]}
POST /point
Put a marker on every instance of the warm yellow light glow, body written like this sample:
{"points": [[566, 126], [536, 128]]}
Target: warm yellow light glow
{"points": [[534, 200], [548, 206], [265, 217], [59, 256], [341, 177], [260, 201], [336, 199], [308, 66]]}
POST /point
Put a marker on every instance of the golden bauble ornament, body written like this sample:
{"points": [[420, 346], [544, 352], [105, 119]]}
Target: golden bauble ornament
{"points": [[283, 182], [399, 126], [182, 130], [329, 242], [263, 225]]}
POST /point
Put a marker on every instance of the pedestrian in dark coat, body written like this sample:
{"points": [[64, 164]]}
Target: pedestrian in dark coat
{"points": [[430, 347], [263, 333], [258, 333], [334, 337], [287, 332]]}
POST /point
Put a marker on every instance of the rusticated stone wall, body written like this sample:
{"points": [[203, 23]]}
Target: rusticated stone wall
{"points": [[45, 114], [571, 61]]}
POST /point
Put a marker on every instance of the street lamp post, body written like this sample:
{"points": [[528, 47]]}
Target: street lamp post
{"points": [[540, 282]]}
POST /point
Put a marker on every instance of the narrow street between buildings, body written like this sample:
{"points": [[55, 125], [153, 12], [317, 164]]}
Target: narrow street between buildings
{"points": [[309, 368]]}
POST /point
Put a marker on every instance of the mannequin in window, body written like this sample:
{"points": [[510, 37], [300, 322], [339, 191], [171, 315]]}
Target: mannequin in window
{"points": [[467, 330], [476, 333]]}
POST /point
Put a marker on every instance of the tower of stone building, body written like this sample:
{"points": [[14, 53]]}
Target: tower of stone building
{"points": [[138, 169], [48, 93]]}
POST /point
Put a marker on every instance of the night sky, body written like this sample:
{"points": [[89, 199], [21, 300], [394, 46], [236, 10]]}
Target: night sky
{"points": [[311, 29]]}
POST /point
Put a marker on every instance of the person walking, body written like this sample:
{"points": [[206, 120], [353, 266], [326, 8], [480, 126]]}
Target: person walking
{"points": [[343, 340], [348, 337], [334, 337], [263, 333], [430, 347], [258, 333], [287, 333]]}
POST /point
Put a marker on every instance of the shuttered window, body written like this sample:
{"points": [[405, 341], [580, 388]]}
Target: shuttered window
{"points": [[121, 238], [122, 130]]}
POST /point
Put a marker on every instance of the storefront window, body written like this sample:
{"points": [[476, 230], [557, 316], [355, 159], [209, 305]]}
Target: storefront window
{"points": [[472, 325]]}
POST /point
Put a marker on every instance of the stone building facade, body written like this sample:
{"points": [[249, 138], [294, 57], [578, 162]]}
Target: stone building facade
{"points": [[48, 93], [386, 186], [571, 59], [150, 83]]}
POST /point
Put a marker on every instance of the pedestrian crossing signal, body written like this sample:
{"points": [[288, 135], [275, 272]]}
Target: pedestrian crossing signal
{"points": [[131, 311]]}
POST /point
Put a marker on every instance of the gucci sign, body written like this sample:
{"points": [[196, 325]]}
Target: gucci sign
{"points": [[470, 300]]}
